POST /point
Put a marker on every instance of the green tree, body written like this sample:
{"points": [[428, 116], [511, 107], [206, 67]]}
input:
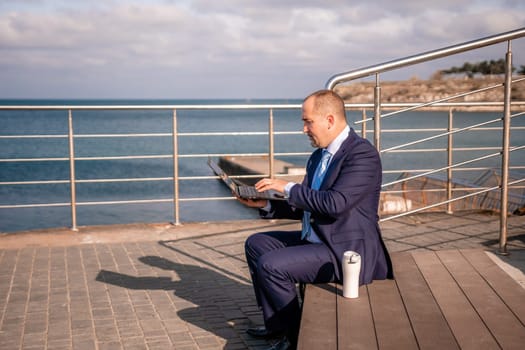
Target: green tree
{"points": [[484, 68]]}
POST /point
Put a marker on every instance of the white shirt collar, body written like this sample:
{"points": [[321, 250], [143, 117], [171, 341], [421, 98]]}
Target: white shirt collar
{"points": [[334, 146]]}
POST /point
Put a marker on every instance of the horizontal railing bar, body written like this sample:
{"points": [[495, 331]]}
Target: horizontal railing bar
{"points": [[33, 136], [135, 201], [459, 169], [186, 178], [517, 114], [203, 199], [442, 169], [419, 150], [153, 107], [426, 104], [81, 136], [33, 159], [453, 189], [459, 149], [496, 128], [438, 204], [239, 133], [35, 205], [157, 156], [401, 171], [207, 155], [164, 156], [44, 182], [164, 200], [512, 149], [455, 131], [457, 189], [21, 206], [264, 133], [225, 134], [245, 107], [448, 98], [141, 179], [409, 130], [448, 201], [231, 133], [142, 201]]}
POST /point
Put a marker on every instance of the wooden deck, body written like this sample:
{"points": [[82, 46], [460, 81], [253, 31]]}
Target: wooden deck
{"points": [[454, 299]]}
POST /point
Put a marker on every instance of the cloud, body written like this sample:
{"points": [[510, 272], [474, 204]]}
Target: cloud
{"points": [[231, 48]]}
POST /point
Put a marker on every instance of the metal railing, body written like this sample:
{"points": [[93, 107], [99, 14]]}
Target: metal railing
{"points": [[176, 136], [505, 149]]}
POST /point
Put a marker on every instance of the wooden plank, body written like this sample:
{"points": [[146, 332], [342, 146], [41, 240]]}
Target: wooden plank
{"points": [[319, 321], [430, 327], [503, 324], [481, 307], [512, 293], [391, 321], [465, 323], [355, 325]]}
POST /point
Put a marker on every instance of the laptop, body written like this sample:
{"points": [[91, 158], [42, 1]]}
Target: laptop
{"points": [[242, 190]]}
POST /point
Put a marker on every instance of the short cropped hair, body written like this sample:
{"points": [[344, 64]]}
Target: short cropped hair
{"points": [[328, 102]]}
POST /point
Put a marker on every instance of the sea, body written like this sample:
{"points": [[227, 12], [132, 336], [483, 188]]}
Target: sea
{"points": [[191, 124]]}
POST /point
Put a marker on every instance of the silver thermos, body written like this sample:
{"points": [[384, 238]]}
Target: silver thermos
{"points": [[351, 270]]}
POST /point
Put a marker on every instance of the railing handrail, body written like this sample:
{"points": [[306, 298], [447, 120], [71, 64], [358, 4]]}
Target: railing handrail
{"points": [[423, 57], [433, 55]]}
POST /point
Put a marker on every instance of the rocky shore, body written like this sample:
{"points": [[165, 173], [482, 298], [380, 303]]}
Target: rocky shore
{"points": [[419, 91]]}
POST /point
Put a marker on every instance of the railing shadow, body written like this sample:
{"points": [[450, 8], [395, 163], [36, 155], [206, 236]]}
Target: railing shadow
{"points": [[218, 298]]}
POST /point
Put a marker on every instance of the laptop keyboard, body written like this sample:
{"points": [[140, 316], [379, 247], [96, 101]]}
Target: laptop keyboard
{"points": [[248, 192]]}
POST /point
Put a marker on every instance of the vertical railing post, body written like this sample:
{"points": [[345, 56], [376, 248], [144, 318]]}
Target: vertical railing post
{"points": [[450, 154], [176, 202], [363, 124], [271, 145], [72, 180], [505, 153], [377, 114]]}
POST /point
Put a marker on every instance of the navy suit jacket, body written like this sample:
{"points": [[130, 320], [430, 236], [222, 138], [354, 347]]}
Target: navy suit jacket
{"points": [[344, 209]]}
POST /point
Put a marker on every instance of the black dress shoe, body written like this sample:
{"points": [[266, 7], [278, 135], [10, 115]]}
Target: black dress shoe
{"points": [[262, 333], [282, 344]]}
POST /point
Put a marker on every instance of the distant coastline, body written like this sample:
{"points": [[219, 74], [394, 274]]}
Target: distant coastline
{"points": [[419, 91]]}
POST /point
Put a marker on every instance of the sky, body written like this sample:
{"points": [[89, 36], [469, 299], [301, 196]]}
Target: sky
{"points": [[246, 49]]}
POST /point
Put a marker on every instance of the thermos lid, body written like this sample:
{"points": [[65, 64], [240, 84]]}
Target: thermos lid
{"points": [[352, 257]]}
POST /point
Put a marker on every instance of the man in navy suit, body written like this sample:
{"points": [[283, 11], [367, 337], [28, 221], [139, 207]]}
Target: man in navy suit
{"points": [[337, 201]]}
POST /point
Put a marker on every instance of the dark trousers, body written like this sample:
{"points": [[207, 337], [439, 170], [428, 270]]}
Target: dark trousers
{"points": [[277, 261]]}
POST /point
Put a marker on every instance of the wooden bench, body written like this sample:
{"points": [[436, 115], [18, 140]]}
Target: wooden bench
{"points": [[455, 299]]}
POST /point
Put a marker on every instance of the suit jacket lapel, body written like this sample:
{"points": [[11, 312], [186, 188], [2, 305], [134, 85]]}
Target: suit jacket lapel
{"points": [[336, 158], [312, 165]]}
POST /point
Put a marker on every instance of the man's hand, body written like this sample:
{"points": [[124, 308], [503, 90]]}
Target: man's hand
{"points": [[271, 184], [253, 203], [263, 185]]}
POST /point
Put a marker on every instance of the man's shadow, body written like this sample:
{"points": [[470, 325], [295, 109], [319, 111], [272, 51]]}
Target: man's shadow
{"points": [[222, 303]]}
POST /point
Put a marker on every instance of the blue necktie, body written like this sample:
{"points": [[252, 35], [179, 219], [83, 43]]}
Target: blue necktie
{"points": [[316, 183]]}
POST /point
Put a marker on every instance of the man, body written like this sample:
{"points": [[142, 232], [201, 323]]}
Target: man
{"points": [[337, 201]]}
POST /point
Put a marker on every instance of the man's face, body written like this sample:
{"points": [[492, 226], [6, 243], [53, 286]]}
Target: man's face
{"points": [[315, 125]]}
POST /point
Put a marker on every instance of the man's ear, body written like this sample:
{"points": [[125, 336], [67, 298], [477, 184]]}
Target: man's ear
{"points": [[331, 120]]}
